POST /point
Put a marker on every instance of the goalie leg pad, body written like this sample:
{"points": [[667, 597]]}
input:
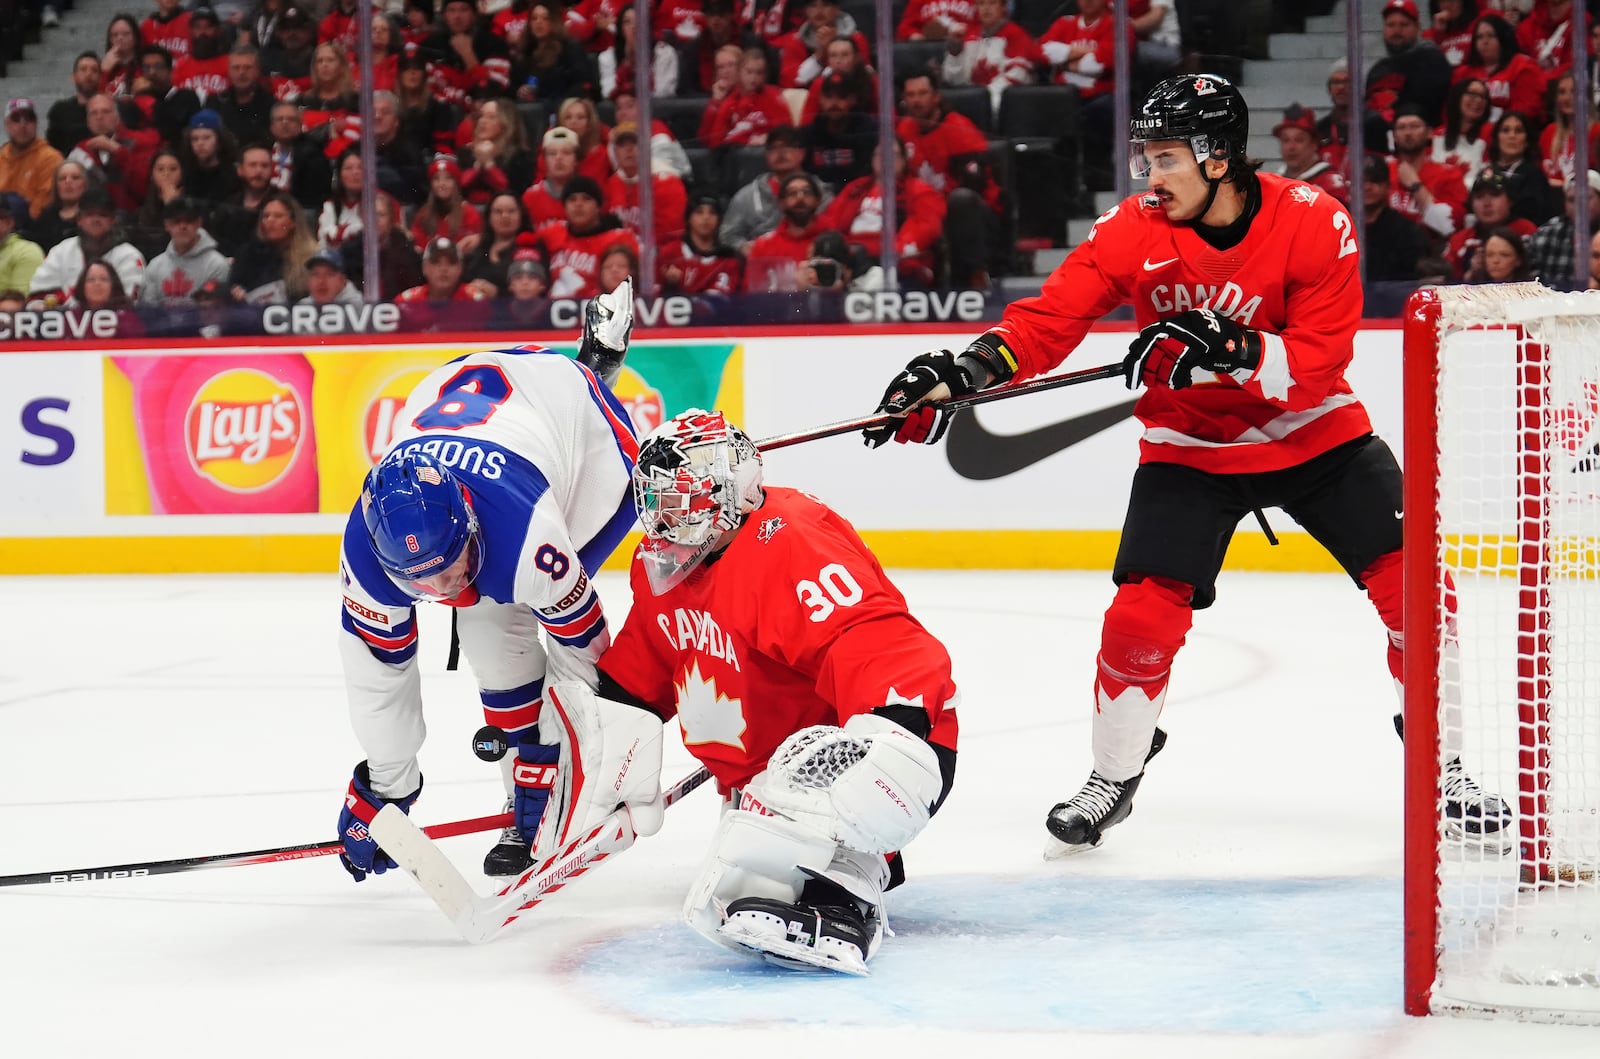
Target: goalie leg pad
{"points": [[610, 755], [837, 923], [753, 855]]}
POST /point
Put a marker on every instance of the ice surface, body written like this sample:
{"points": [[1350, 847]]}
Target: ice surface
{"points": [[1249, 907]]}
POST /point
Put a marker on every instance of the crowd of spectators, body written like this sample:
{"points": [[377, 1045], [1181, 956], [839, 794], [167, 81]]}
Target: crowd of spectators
{"points": [[508, 147], [1470, 171]]}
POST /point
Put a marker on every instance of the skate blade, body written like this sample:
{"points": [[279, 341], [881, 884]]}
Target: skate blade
{"points": [[1055, 849], [1502, 842], [789, 954]]}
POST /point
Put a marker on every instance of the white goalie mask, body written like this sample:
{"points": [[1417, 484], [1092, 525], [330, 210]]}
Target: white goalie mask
{"points": [[696, 478]]}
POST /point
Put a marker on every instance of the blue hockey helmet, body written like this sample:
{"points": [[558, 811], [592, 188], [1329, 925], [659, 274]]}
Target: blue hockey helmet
{"points": [[420, 522]]}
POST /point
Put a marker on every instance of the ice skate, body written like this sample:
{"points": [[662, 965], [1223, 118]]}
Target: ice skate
{"points": [[510, 855], [1080, 822], [1472, 816], [825, 928]]}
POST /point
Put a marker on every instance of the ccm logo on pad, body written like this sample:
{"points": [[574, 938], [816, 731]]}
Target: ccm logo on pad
{"points": [[527, 775]]}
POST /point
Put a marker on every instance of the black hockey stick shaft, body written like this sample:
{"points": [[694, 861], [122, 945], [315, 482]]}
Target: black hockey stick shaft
{"points": [[1002, 393], [234, 860]]}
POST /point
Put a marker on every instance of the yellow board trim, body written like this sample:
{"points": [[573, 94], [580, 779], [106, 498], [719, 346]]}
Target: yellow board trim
{"points": [[908, 549]]}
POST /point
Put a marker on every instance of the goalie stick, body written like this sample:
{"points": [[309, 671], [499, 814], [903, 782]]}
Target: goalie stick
{"points": [[235, 860], [477, 918], [1000, 393]]}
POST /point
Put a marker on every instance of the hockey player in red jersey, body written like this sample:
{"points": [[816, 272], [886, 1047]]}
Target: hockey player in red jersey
{"points": [[1246, 288], [825, 711]]}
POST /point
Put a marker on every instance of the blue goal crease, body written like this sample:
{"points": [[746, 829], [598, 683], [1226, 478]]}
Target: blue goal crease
{"points": [[1058, 953]]}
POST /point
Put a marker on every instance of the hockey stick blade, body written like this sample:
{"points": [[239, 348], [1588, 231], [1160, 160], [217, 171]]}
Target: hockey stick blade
{"points": [[235, 860], [477, 918], [1002, 393]]}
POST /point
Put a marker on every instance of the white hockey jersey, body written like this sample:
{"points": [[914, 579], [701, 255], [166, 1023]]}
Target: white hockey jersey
{"points": [[546, 454]]}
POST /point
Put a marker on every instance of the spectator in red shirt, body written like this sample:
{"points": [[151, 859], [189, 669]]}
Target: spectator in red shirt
{"points": [[1545, 35], [473, 62], [559, 157], [583, 118], [857, 211], [120, 66], [669, 196], [204, 71], [574, 249], [446, 213], [1451, 31], [846, 67], [1463, 137], [1515, 81], [748, 113], [724, 83], [803, 53], [936, 20], [1297, 145], [498, 158], [1423, 189], [167, 26], [441, 276], [1081, 48], [699, 263], [113, 156], [995, 53], [946, 151], [340, 26], [702, 58], [1491, 209], [773, 261]]}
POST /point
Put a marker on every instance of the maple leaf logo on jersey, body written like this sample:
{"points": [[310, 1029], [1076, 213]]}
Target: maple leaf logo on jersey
{"points": [[1304, 193], [769, 529], [177, 285], [705, 714]]}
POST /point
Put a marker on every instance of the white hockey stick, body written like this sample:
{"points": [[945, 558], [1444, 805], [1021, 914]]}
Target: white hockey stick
{"points": [[478, 918]]}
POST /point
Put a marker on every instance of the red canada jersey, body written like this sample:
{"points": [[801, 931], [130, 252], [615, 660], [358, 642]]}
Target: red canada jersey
{"points": [[204, 77], [794, 624], [171, 33], [574, 260], [1293, 277], [956, 15], [544, 207], [713, 273]]}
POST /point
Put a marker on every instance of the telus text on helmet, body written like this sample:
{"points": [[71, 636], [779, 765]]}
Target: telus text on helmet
{"points": [[473, 459]]}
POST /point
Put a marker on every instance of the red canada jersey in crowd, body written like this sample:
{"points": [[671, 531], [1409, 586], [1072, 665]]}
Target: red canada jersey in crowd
{"points": [[1469, 240], [172, 33], [794, 624], [773, 260], [204, 77], [1518, 86], [741, 116], [1093, 76], [419, 295], [574, 260], [857, 211], [1293, 277], [1544, 40], [340, 27], [929, 152], [669, 199], [956, 15], [702, 273], [543, 206], [1444, 183]]}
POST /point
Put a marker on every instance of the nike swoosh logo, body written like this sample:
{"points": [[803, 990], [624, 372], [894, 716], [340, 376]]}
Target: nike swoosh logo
{"points": [[1151, 267], [978, 455]]}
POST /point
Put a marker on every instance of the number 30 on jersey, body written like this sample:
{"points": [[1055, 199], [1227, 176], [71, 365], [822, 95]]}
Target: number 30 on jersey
{"points": [[834, 587]]}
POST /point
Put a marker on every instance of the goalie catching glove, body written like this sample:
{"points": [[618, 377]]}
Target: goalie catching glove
{"points": [[1167, 352], [869, 786], [607, 324], [609, 757]]}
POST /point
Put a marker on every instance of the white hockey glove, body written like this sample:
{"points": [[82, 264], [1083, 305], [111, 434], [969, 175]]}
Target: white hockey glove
{"points": [[870, 786], [610, 756], [607, 324]]}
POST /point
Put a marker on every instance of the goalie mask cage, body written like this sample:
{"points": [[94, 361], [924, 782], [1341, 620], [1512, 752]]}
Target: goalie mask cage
{"points": [[1502, 662]]}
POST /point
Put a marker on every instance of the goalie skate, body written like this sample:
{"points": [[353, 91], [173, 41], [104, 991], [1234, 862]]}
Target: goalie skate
{"points": [[1471, 816], [829, 931], [1079, 823], [510, 855]]}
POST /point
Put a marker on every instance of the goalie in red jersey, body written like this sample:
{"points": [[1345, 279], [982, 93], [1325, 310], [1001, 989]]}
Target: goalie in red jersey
{"points": [[1247, 291], [825, 711]]}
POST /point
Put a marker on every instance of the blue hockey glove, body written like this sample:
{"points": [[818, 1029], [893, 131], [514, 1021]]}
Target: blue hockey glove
{"points": [[361, 855], [534, 774]]}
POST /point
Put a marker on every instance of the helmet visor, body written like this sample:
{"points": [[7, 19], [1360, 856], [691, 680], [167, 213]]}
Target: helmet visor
{"points": [[447, 580], [1166, 156]]}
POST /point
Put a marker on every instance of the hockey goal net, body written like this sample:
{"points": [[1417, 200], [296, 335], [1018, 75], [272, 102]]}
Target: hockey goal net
{"points": [[1502, 542]]}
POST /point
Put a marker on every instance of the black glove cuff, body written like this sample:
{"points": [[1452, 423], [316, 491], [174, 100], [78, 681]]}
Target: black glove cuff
{"points": [[989, 353], [1250, 349]]}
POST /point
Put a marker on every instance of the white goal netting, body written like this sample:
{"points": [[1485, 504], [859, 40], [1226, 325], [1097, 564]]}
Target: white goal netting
{"points": [[1517, 406]]}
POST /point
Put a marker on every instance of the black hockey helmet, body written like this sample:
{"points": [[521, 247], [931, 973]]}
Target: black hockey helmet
{"points": [[1203, 110]]}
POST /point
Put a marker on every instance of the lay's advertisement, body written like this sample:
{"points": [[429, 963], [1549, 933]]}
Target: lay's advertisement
{"points": [[284, 431]]}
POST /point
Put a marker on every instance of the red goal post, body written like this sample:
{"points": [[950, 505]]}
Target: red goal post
{"points": [[1502, 666]]}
